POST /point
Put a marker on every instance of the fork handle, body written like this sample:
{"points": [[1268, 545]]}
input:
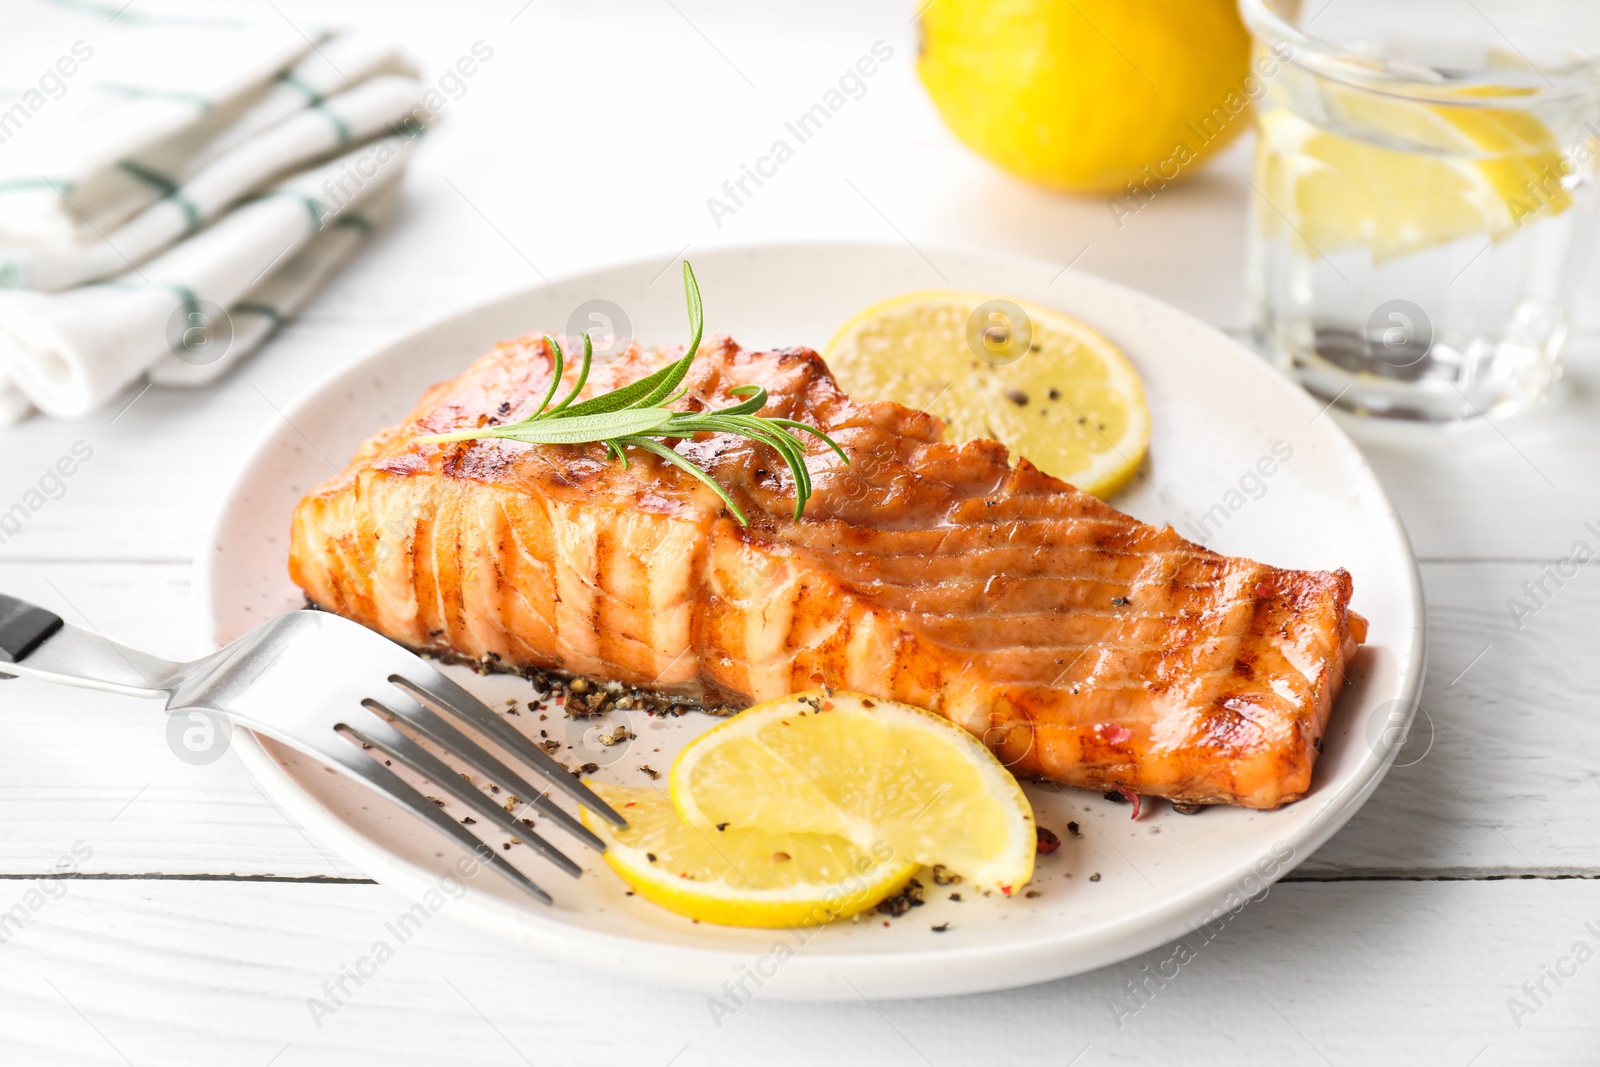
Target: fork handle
{"points": [[35, 643], [23, 628]]}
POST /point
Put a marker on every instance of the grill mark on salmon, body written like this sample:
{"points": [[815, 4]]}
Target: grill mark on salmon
{"points": [[1083, 646]]}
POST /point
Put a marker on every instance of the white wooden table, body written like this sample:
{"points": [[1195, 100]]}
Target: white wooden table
{"points": [[202, 918]]}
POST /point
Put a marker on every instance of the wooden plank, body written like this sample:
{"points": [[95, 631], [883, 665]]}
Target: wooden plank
{"points": [[1520, 487], [78, 764], [203, 973], [154, 470], [1499, 774], [1505, 788]]}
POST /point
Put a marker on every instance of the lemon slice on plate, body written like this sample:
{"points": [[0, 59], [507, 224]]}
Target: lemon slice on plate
{"points": [[896, 781], [739, 875], [1046, 386]]}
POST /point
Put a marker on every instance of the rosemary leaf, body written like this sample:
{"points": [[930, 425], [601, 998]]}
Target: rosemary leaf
{"points": [[578, 430], [623, 396], [555, 377], [637, 414], [654, 388], [583, 371], [791, 424], [682, 462]]}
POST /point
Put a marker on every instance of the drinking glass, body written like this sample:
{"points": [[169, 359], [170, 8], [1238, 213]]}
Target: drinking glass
{"points": [[1424, 188]]}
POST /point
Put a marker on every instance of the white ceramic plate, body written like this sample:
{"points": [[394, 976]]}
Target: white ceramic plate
{"points": [[1121, 887]]}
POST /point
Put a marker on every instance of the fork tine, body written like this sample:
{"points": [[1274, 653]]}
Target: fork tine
{"points": [[379, 778], [381, 735], [453, 741], [433, 685]]}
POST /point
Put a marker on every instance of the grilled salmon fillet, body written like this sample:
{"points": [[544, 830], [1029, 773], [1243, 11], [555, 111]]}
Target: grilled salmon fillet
{"points": [[1083, 646]]}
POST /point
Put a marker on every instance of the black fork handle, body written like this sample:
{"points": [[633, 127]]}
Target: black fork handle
{"points": [[23, 628], [35, 643]]}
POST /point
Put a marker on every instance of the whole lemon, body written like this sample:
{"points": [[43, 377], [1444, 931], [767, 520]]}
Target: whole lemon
{"points": [[1083, 95]]}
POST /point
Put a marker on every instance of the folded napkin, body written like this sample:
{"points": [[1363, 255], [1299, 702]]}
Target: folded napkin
{"points": [[172, 185], [284, 292], [350, 117], [72, 351], [14, 406]]}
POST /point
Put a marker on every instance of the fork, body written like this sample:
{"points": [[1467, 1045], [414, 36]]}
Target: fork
{"points": [[329, 688]]}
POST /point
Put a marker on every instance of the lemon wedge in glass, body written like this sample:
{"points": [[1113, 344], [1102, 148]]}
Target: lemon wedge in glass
{"points": [[741, 875], [1420, 175], [898, 783], [1045, 385]]}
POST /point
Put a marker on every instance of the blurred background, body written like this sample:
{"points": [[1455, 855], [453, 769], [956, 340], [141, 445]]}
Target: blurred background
{"points": [[556, 120]]}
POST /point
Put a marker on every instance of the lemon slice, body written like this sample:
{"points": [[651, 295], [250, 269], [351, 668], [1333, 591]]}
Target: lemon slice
{"points": [[898, 782], [1445, 173], [1046, 386], [739, 875]]}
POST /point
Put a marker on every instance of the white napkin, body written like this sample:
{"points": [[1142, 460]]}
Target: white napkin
{"points": [[339, 63], [134, 236], [351, 117], [72, 351], [283, 293], [97, 90], [14, 404]]}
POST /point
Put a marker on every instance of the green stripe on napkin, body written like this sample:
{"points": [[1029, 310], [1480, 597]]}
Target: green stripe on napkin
{"points": [[116, 13], [264, 310], [60, 185], [338, 123], [313, 98], [148, 176]]}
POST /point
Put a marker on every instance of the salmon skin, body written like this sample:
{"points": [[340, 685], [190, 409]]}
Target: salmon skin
{"points": [[1083, 646]]}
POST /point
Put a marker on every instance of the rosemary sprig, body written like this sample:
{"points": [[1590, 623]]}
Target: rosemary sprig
{"points": [[637, 415]]}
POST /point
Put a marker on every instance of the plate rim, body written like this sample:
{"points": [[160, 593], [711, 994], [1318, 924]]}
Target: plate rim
{"points": [[818, 977]]}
